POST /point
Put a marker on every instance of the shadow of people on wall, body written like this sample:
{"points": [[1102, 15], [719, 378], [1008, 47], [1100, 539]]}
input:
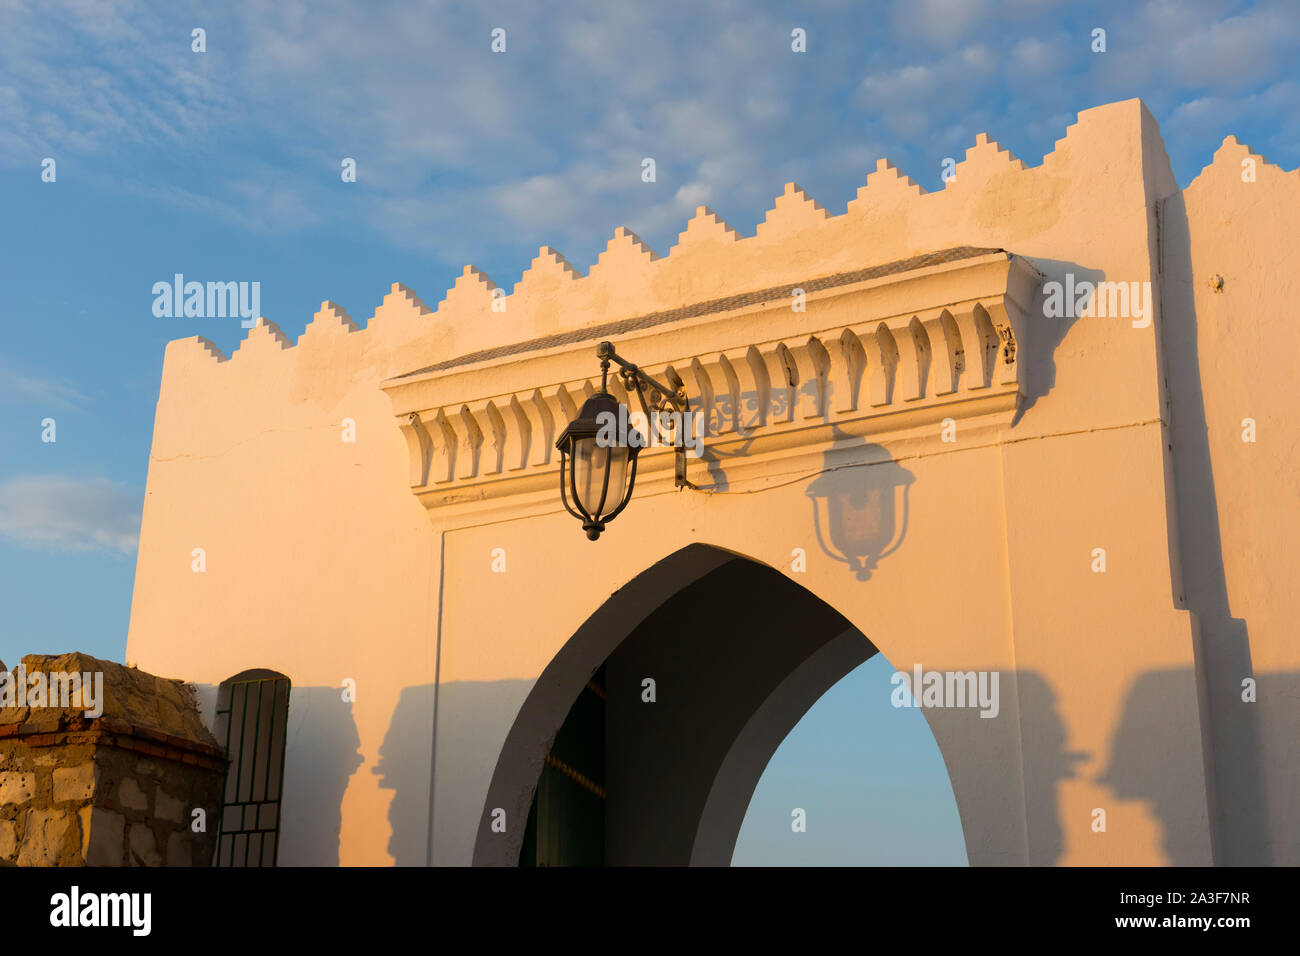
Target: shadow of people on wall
{"points": [[1048, 761], [993, 734], [323, 751], [403, 768], [1151, 724], [1249, 828]]}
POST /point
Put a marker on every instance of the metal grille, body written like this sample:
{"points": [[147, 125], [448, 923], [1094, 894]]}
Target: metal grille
{"points": [[256, 719]]}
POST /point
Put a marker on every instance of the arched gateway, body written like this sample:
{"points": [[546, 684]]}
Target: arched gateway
{"points": [[937, 425], [707, 660], [861, 539]]}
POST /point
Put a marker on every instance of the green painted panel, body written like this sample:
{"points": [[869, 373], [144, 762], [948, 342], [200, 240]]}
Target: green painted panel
{"points": [[566, 824]]}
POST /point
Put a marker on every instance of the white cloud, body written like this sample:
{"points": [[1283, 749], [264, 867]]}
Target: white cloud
{"points": [[19, 387], [691, 195], [938, 21], [763, 109], [913, 99], [538, 200], [1234, 51], [1176, 44], [1034, 56], [469, 155], [907, 84], [1206, 120], [69, 514], [90, 78]]}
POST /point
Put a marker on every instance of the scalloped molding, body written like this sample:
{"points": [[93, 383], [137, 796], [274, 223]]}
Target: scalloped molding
{"points": [[777, 387]]}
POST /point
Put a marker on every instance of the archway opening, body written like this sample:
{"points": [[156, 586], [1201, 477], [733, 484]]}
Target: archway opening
{"points": [[857, 782], [656, 757]]}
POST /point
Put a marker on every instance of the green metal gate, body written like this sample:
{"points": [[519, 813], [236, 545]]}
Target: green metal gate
{"points": [[257, 716]]}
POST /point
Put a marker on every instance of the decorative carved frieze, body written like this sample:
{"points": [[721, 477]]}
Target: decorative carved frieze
{"points": [[486, 429]]}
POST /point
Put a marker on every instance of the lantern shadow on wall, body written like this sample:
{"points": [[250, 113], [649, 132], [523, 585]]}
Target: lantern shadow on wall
{"points": [[860, 509]]}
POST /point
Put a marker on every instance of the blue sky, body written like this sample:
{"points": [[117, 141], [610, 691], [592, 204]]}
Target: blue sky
{"points": [[870, 779], [224, 165]]}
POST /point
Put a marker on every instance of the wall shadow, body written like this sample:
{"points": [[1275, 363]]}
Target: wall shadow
{"points": [[715, 462], [859, 499], [1007, 768], [1048, 332], [1007, 771], [860, 504], [1045, 746], [322, 751], [675, 795], [1150, 726], [404, 768], [1239, 800]]}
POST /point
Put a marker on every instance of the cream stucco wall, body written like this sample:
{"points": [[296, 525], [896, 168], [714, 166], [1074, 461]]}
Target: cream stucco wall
{"points": [[323, 565], [1233, 354]]}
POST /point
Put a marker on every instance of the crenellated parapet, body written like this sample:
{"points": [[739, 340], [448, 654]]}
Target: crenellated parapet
{"points": [[991, 200], [1236, 164], [990, 195], [890, 218]]}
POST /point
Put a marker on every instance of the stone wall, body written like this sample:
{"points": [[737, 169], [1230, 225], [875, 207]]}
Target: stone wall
{"points": [[117, 789]]}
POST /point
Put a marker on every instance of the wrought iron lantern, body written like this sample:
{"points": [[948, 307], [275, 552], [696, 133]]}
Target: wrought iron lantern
{"points": [[857, 510], [597, 476]]}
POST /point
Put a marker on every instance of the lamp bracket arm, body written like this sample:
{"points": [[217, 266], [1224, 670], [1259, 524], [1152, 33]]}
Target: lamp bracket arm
{"points": [[676, 397], [636, 380]]}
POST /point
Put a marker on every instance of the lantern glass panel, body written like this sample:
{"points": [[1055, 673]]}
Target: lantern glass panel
{"points": [[589, 464]]}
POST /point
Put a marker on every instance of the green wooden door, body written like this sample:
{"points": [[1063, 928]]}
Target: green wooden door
{"points": [[566, 825]]}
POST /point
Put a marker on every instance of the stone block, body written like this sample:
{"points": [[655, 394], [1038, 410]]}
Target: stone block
{"points": [[111, 794], [169, 718], [167, 807], [179, 850], [74, 783], [129, 694], [8, 839], [131, 797], [102, 836], [17, 788], [144, 848], [44, 838]]}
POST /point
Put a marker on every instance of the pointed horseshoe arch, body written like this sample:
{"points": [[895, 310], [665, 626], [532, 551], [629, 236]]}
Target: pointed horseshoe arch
{"points": [[733, 677]]}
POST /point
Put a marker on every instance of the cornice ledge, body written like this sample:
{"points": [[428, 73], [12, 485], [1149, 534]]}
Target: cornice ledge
{"points": [[909, 350]]}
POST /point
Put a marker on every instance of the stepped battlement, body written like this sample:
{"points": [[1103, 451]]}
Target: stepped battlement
{"points": [[993, 199]]}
